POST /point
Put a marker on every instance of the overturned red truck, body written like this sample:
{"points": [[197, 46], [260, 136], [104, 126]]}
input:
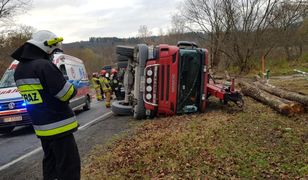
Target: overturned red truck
{"points": [[166, 80]]}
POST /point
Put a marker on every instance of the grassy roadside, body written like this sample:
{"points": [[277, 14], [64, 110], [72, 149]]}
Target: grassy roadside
{"points": [[222, 143]]}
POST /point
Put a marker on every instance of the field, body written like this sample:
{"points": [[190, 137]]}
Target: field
{"points": [[223, 143]]}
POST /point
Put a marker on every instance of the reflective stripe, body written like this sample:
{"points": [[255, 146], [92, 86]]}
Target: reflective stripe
{"points": [[65, 93], [57, 130], [64, 90], [30, 87], [31, 81], [68, 94], [29, 84], [55, 125]]}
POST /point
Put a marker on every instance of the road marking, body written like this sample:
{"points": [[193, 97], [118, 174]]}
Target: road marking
{"points": [[20, 158], [106, 115]]}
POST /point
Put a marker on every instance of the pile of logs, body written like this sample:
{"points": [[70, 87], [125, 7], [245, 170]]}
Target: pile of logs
{"points": [[283, 101]]}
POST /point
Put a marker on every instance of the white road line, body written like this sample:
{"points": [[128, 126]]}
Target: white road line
{"points": [[39, 149], [108, 114], [20, 158]]}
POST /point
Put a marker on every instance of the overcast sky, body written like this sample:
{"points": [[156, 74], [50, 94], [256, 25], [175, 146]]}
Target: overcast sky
{"points": [[77, 20]]}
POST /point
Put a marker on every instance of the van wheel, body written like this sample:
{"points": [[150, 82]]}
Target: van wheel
{"points": [[139, 109], [6, 130], [120, 108], [87, 106]]}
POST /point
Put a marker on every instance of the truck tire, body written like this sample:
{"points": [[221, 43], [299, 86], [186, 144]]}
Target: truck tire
{"points": [[119, 108], [6, 130], [139, 109], [127, 51]]}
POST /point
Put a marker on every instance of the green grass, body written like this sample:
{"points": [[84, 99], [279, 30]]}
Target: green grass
{"points": [[283, 67], [223, 143], [278, 66]]}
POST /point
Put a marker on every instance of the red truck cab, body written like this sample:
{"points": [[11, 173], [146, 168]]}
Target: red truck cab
{"points": [[167, 80], [175, 80]]}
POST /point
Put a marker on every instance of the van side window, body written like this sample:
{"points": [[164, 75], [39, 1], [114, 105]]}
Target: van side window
{"points": [[63, 70]]}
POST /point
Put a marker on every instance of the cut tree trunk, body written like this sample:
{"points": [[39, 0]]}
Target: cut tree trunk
{"points": [[283, 106], [283, 93]]}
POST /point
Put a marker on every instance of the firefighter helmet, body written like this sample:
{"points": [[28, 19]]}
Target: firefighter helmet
{"points": [[95, 74], [114, 71], [47, 41], [103, 72]]}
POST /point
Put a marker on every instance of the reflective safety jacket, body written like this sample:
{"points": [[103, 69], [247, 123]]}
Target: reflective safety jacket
{"points": [[95, 82], [45, 92], [114, 83], [105, 84]]}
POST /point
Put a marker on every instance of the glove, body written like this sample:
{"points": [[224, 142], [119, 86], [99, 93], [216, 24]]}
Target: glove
{"points": [[75, 83]]}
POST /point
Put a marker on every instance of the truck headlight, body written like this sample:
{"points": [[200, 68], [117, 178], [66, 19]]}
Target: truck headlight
{"points": [[149, 80], [149, 96], [150, 72], [149, 88]]}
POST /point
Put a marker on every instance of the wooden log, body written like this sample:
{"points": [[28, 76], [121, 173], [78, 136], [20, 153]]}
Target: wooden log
{"points": [[283, 106], [283, 93]]}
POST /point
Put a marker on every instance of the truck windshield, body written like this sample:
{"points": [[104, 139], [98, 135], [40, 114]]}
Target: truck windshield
{"points": [[8, 79], [190, 66]]}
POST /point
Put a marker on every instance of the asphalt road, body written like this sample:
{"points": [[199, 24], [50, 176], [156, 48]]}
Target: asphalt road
{"points": [[21, 154]]}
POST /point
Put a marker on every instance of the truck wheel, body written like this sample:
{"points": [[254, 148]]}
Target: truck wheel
{"points": [[87, 106], [119, 108], [6, 130], [127, 51], [139, 109]]}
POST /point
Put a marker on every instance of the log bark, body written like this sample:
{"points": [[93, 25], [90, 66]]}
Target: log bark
{"points": [[283, 93], [283, 106]]}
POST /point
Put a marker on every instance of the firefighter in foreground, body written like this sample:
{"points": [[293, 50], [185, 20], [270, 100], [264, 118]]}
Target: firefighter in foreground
{"points": [[47, 95], [105, 83], [97, 86]]}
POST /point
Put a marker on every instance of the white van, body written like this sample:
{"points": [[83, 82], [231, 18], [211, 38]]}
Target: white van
{"points": [[13, 109]]}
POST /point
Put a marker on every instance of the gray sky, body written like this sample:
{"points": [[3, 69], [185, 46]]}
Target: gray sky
{"points": [[77, 20]]}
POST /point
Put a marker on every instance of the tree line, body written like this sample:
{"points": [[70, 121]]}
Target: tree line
{"points": [[237, 32]]}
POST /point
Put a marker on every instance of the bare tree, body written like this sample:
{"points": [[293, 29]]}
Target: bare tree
{"points": [[290, 23], [10, 41], [249, 22], [205, 18], [10, 8], [144, 34], [241, 30], [178, 24], [177, 30]]}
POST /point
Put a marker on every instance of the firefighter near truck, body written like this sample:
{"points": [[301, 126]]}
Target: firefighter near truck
{"points": [[166, 80]]}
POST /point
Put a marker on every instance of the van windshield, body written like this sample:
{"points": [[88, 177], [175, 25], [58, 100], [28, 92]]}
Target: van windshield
{"points": [[8, 79]]}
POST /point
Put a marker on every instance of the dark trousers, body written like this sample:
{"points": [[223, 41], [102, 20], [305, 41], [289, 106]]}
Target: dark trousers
{"points": [[61, 158]]}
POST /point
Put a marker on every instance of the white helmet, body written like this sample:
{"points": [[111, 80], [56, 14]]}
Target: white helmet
{"points": [[46, 40]]}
